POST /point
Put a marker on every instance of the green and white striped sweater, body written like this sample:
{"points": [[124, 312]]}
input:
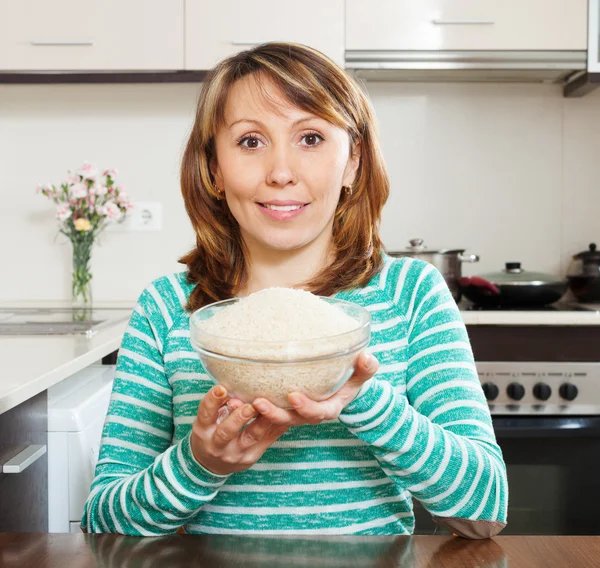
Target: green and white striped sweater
{"points": [[419, 428]]}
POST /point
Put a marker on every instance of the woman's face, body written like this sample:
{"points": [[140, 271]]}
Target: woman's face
{"points": [[281, 168]]}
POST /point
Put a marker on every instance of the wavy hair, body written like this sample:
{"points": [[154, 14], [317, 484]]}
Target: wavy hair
{"points": [[314, 83]]}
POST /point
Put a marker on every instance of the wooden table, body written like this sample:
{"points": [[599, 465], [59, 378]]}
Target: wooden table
{"points": [[40, 550]]}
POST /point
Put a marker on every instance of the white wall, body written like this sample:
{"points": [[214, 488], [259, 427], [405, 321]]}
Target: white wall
{"points": [[510, 172]]}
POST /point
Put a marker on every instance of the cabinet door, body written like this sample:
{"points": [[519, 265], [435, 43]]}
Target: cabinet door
{"points": [[215, 30], [91, 35], [466, 24], [24, 495]]}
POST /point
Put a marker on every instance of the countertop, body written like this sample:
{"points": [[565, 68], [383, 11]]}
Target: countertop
{"points": [[548, 317], [18, 550], [31, 364]]}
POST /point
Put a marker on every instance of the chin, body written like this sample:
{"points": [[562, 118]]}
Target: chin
{"points": [[283, 242]]}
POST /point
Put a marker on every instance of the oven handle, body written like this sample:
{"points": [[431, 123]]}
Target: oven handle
{"points": [[546, 426]]}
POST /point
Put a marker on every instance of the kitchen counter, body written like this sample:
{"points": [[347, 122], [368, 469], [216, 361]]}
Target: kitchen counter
{"points": [[31, 364], [527, 317], [177, 551]]}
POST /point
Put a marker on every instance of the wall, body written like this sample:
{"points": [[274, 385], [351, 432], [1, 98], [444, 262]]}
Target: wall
{"points": [[507, 171]]}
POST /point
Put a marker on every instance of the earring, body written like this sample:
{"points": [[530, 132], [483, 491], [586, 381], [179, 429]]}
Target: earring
{"points": [[348, 190], [217, 191]]}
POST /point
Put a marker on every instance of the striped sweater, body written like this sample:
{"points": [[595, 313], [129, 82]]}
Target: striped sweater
{"points": [[420, 428]]}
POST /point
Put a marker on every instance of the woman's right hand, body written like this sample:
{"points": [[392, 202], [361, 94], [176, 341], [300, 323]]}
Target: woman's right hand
{"points": [[231, 445]]}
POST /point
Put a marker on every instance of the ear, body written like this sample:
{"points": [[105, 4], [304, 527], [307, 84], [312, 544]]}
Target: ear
{"points": [[216, 172], [352, 165]]}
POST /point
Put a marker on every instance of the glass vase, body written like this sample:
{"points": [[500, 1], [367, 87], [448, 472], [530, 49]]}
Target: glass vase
{"points": [[82, 277]]}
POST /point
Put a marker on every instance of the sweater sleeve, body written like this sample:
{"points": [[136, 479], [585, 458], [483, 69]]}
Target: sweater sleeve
{"points": [[433, 434], [143, 485]]}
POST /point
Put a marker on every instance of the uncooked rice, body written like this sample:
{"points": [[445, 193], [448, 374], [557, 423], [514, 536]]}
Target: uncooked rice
{"points": [[278, 328]]}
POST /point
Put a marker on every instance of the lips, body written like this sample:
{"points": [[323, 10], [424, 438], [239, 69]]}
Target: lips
{"points": [[283, 210]]}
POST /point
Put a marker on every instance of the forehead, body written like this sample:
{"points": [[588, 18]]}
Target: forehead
{"points": [[254, 96]]}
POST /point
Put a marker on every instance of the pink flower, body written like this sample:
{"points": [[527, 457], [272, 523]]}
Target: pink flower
{"points": [[112, 173], [88, 171], [112, 211], [71, 179], [78, 191], [43, 188], [101, 190], [63, 212]]}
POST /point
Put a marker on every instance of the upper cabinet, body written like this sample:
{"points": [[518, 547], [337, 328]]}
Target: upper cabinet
{"points": [[466, 25], [91, 35], [214, 30]]}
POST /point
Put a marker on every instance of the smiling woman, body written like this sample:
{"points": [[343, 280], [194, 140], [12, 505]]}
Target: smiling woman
{"points": [[284, 184], [283, 160]]}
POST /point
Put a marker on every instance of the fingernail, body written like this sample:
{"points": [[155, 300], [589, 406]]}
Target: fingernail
{"points": [[247, 411], [296, 400], [261, 406], [371, 362], [220, 391]]}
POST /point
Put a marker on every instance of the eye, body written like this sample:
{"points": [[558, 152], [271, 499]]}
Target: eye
{"points": [[249, 142], [312, 139]]}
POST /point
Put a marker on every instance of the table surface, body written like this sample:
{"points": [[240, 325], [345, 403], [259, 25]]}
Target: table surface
{"points": [[21, 550]]}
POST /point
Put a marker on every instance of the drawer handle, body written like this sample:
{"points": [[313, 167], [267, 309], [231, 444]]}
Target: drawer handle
{"points": [[62, 43], [463, 22], [244, 42], [24, 459]]}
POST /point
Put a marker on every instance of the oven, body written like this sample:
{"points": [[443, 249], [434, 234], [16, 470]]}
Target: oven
{"points": [[543, 389]]}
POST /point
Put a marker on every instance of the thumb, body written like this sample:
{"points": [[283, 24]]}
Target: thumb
{"points": [[366, 367]]}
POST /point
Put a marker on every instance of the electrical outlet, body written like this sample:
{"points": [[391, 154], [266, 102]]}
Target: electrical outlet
{"points": [[145, 216]]}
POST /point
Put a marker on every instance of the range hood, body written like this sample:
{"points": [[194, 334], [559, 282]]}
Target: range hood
{"points": [[560, 67]]}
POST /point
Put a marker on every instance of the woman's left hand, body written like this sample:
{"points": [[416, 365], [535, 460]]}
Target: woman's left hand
{"points": [[307, 411]]}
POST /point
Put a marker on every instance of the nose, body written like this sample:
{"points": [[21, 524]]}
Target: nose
{"points": [[280, 167]]}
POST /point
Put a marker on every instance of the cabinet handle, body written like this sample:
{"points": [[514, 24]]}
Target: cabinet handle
{"points": [[24, 459], [244, 42], [463, 22], [61, 43]]}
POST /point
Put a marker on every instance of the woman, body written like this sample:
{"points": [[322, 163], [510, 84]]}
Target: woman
{"points": [[284, 183]]}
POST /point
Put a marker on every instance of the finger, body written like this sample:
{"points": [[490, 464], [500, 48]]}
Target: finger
{"points": [[210, 404], [365, 367], [232, 425], [313, 411], [275, 414], [227, 409], [255, 432]]}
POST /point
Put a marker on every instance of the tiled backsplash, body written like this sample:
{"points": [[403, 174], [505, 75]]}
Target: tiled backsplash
{"points": [[510, 172]]}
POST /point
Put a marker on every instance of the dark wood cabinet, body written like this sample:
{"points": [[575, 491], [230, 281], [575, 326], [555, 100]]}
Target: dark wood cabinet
{"points": [[24, 495]]}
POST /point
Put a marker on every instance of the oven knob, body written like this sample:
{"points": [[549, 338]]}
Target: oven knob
{"points": [[542, 391], [515, 391], [568, 391], [491, 391]]}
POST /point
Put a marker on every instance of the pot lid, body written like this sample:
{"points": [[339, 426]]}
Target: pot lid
{"points": [[418, 246], [590, 256], [513, 274]]}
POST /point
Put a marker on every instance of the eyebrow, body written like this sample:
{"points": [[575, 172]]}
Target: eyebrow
{"points": [[259, 123]]}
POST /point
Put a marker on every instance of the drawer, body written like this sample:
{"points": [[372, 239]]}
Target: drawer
{"points": [[466, 25]]}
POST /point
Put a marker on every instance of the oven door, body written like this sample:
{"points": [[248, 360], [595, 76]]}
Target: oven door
{"points": [[553, 467]]}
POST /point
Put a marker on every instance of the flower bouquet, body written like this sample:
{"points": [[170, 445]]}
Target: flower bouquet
{"points": [[86, 202]]}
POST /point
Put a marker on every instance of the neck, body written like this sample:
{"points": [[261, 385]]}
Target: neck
{"points": [[288, 268]]}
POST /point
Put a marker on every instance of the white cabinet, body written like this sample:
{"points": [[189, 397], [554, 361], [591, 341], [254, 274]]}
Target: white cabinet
{"points": [[94, 35], [466, 25], [215, 30]]}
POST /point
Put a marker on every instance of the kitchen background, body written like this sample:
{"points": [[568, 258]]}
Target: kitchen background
{"points": [[510, 172]]}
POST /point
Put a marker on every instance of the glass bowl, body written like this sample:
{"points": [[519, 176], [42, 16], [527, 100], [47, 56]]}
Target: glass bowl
{"points": [[273, 369]]}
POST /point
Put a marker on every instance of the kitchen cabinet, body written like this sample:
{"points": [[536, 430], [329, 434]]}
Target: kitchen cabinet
{"points": [[466, 25], [214, 30], [23, 441], [91, 35]]}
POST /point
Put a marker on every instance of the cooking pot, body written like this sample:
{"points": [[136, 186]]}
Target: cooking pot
{"points": [[514, 287], [584, 275], [447, 261]]}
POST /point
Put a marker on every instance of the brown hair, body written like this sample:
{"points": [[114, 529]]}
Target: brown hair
{"points": [[314, 83]]}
